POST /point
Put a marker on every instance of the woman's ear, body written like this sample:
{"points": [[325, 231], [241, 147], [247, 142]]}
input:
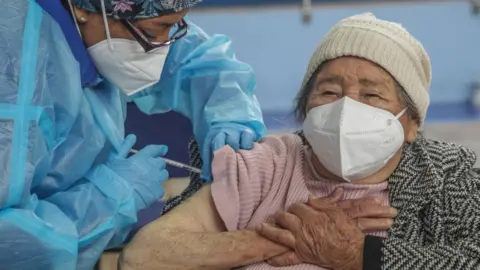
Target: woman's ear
{"points": [[411, 132], [81, 15]]}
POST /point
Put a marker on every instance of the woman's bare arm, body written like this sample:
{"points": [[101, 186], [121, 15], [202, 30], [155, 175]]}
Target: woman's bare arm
{"points": [[192, 236]]}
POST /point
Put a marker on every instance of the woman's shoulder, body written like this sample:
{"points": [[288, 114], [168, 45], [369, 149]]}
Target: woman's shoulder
{"points": [[448, 154], [447, 158], [279, 148], [281, 144], [434, 168]]}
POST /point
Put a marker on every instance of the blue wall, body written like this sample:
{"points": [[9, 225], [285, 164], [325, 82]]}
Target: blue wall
{"points": [[278, 45]]}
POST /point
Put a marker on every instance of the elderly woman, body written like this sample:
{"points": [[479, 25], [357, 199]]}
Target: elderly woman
{"points": [[364, 97]]}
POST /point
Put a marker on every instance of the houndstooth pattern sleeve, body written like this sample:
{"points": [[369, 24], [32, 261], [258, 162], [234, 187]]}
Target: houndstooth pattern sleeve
{"points": [[439, 224]]}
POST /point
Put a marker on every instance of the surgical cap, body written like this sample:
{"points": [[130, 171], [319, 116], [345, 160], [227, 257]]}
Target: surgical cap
{"points": [[136, 9]]}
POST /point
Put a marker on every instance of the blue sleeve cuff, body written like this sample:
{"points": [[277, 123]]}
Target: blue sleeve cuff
{"points": [[110, 184]]}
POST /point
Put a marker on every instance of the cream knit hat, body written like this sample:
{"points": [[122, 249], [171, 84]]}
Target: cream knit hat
{"points": [[385, 43]]}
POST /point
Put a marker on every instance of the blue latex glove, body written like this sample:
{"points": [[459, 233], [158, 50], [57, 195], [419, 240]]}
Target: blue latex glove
{"points": [[145, 171], [236, 135]]}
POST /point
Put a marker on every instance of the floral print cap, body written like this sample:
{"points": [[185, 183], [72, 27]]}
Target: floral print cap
{"points": [[136, 9]]}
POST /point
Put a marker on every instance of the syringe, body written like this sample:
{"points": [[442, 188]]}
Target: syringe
{"points": [[176, 164]]}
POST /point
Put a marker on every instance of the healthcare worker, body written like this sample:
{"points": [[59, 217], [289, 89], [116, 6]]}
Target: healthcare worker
{"points": [[68, 187]]}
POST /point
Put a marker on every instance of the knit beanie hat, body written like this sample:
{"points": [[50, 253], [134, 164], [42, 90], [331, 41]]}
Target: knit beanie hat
{"points": [[385, 43]]}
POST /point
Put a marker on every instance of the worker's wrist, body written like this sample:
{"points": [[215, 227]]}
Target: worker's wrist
{"points": [[109, 183]]}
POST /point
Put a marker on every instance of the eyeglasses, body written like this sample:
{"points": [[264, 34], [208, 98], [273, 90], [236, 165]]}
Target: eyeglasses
{"points": [[148, 46]]}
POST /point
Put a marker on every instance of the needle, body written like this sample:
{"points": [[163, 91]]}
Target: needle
{"points": [[176, 164]]}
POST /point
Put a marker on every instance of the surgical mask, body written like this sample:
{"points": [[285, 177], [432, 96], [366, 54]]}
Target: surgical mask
{"points": [[353, 140], [125, 63]]}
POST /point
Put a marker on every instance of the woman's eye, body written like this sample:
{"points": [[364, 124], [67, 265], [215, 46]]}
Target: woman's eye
{"points": [[147, 35], [329, 93], [371, 96]]}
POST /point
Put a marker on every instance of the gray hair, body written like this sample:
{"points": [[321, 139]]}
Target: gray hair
{"points": [[301, 101]]}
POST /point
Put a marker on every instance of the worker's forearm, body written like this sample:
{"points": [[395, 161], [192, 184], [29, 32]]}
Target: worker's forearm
{"points": [[176, 249]]}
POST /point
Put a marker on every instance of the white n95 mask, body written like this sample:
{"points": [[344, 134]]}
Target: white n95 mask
{"points": [[353, 140], [126, 64]]}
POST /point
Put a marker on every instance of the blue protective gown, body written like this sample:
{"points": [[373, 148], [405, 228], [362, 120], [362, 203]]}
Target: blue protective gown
{"points": [[60, 207]]}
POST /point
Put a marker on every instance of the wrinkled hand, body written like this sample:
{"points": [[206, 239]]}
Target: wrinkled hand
{"points": [[236, 135], [368, 213], [323, 236], [145, 171]]}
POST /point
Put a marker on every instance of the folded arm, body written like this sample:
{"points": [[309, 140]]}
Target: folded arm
{"points": [[192, 236]]}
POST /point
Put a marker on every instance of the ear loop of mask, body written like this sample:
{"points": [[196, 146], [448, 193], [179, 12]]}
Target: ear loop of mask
{"points": [[105, 21], [389, 122], [74, 17], [400, 114]]}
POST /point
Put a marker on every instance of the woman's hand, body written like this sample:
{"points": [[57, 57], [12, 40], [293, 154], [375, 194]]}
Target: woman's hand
{"points": [[368, 213], [321, 233]]}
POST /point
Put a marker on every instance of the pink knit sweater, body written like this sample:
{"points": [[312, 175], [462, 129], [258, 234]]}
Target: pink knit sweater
{"points": [[250, 186]]}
